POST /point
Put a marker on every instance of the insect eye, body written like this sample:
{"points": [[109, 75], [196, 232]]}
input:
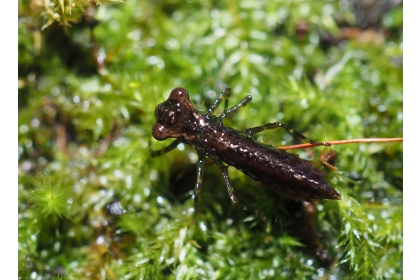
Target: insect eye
{"points": [[168, 113]]}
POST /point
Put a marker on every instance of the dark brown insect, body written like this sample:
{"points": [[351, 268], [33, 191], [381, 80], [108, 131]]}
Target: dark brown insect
{"points": [[283, 172]]}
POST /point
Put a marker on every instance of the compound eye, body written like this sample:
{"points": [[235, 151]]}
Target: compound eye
{"points": [[168, 113]]}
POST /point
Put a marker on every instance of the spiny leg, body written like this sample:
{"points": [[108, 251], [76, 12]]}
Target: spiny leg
{"points": [[275, 125], [169, 148], [234, 109], [310, 230], [198, 183], [233, 198], [219, 99]]}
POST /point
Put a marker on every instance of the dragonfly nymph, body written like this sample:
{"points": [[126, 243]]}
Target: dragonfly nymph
{"points": [[283, 172]]}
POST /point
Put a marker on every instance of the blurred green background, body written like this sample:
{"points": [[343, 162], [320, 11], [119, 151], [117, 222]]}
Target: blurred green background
{"points": [[93, 204]]}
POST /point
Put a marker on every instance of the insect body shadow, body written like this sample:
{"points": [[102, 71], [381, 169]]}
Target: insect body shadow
{"points": [[283, 172]]}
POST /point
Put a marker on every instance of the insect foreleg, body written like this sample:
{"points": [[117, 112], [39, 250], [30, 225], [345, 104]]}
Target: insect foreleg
{"points": [[251, 131], [169, 148], [232, 110], [232, 196], [216, 103], [199, 182]]}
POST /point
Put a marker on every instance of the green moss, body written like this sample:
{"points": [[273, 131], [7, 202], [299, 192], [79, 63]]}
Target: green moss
{"points": [[85, 121]]}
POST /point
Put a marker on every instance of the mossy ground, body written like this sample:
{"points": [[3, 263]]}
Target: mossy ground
{"points": [[88, 87]]}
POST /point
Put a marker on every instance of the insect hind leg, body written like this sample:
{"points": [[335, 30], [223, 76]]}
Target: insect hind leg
{"points": [[254, 130]]}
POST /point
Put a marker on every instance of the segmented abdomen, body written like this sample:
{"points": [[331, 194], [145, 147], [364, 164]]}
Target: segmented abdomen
{"points": [[283, 172]]}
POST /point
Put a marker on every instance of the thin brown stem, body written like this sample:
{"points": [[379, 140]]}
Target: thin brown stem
{"points": [[342, 142]]}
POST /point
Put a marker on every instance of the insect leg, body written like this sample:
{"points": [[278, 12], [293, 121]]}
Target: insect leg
{"points": [[199, 182], [169, 148], [232, 110], [217, 102], [309, 232], [233, 198], [269, 126]]}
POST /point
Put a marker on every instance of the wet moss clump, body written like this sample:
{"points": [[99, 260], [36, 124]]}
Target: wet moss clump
{"points": [[93, 204]]}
